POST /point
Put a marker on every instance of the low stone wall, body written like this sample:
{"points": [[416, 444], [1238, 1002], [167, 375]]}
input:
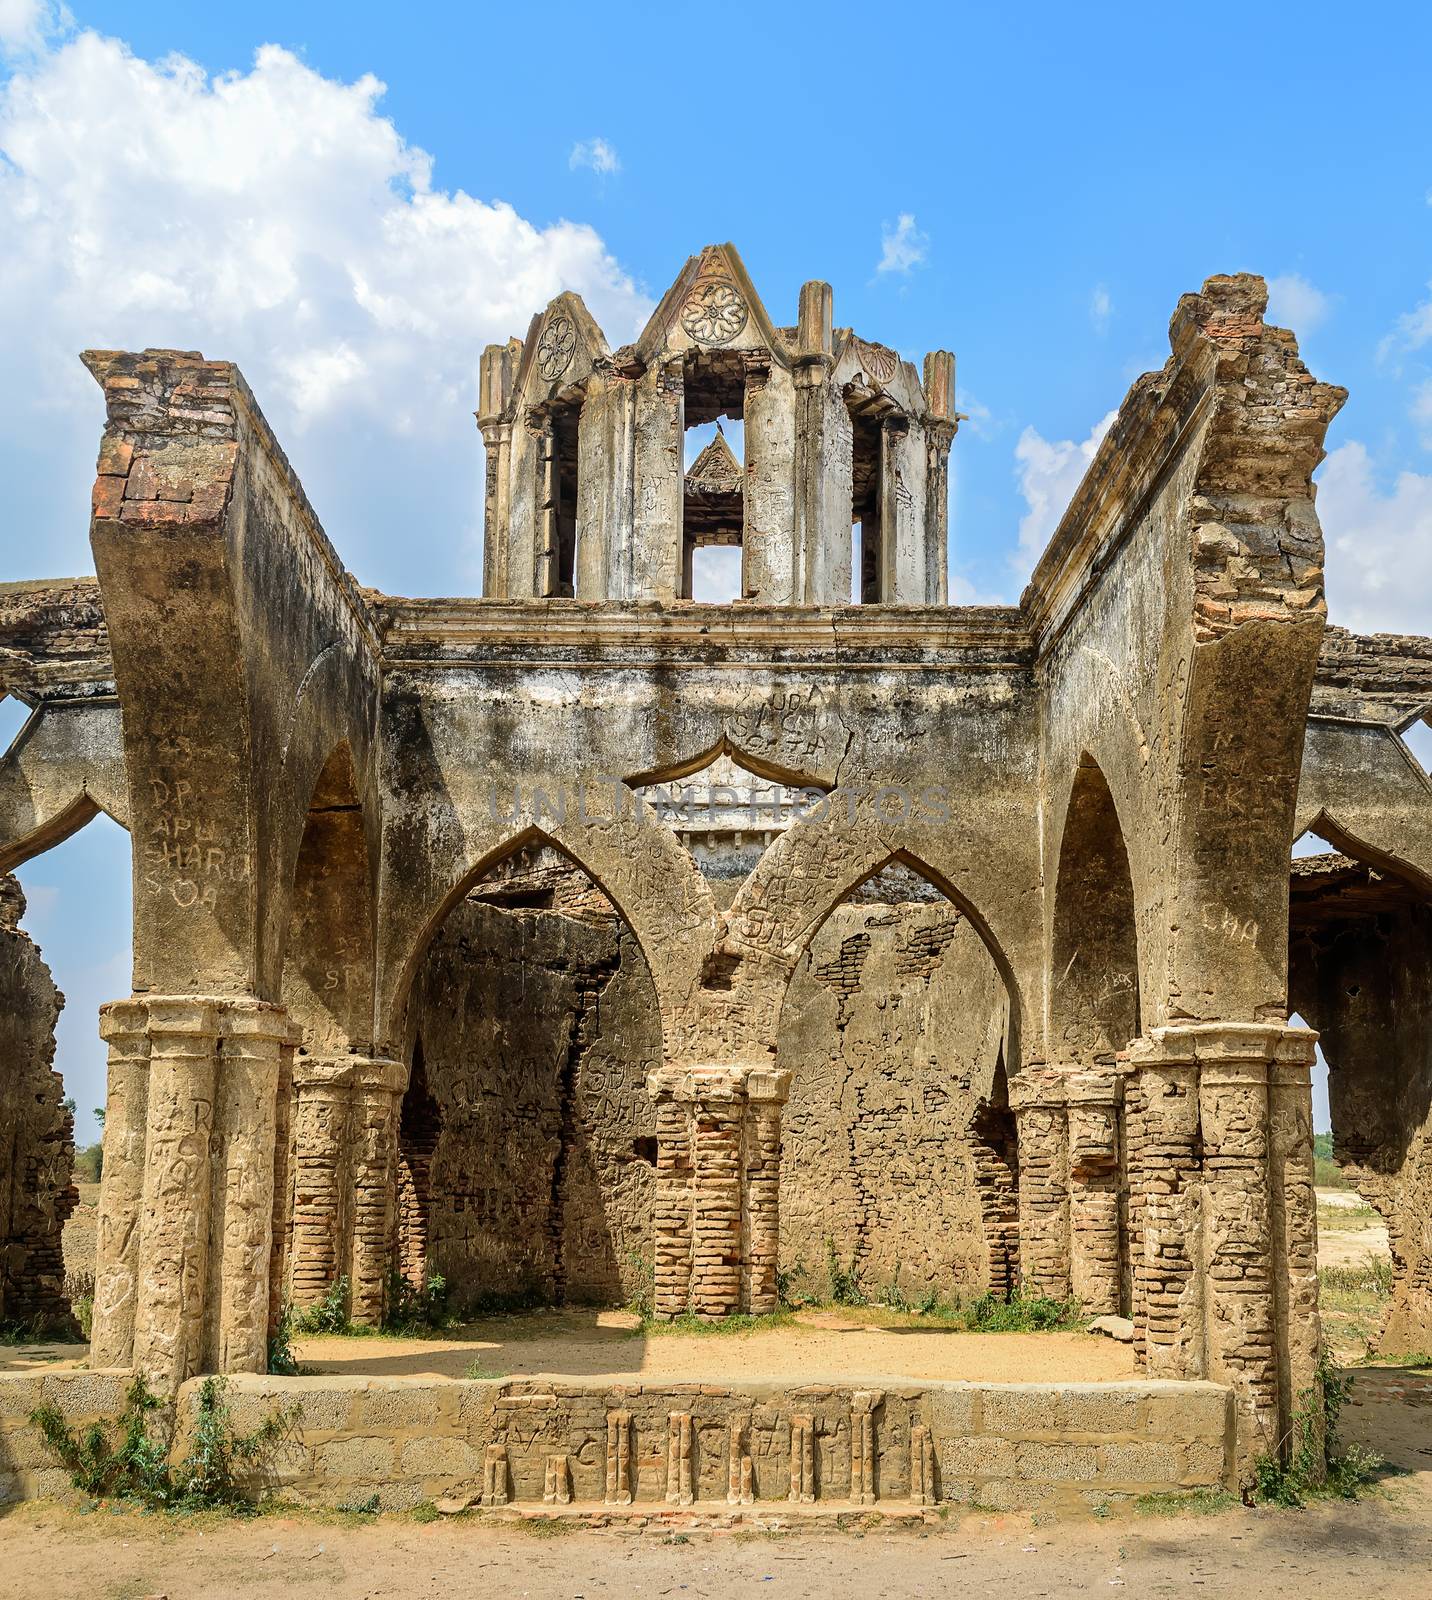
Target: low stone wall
{"points": [[27, 1469], [524, 1442]]}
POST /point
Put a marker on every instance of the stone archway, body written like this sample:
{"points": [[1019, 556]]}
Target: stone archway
{"points": [[1073, 1191], [895, 1160], [526, 1151]]}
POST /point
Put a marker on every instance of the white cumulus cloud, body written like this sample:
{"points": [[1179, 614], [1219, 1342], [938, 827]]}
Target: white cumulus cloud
{"points": [[1049, 472], [1294, 303], [25, 25], [902, 246], [1379, 562], [271, 216], [595, 154], [1101, 308]]}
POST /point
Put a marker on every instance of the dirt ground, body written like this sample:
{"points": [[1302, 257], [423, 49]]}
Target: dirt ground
{"points": [[606, 1344], [1381, 1545], [823, 1344]]}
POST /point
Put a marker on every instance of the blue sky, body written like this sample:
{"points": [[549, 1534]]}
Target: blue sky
{"points": [[351, 212]]}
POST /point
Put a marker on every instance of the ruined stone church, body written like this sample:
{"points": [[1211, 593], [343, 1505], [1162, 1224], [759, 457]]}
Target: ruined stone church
{"points": [[587, 938]]}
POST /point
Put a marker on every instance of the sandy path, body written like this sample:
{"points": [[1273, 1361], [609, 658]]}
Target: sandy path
{"points": [[604, 1345]]}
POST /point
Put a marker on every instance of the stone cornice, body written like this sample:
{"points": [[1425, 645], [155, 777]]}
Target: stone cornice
{"points": [[426, 633]]}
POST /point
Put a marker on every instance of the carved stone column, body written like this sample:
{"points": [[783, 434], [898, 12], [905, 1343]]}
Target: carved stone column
{"points": [[378, 1087], [672, 1212], [280, 1256], [717, 1109], [1228, 1269], [122, 1025], [174, 1273], [183, 1260], [321, 1200], [1295, 1221], [1168, 1278], [345, 1151], [253, 1040], [1037, 1098], [1093, 1100], [766, 1094], [718, 1177]]}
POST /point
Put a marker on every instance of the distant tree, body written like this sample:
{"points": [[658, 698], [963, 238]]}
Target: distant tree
{"points": [[99, 1117]]}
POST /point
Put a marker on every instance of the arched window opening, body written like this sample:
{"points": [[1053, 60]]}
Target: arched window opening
{"points": [[866, 559], [897, 1165], [1360, 973], [1094, 1002], [557, 577], [527, 1124], [1418, 739], [714, 494], [1094, 1013]]}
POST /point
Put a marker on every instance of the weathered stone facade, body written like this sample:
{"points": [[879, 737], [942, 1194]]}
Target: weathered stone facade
{"points": [[1103, 782]]}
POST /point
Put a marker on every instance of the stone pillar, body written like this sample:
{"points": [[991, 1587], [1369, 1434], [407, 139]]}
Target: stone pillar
{"points": [[940, 430], [320, 1199], [1093, 1098], [1237, 1237], [373, 1180], [717, 1199], [1037, 1098], [1228, 1271], [902, 512], [123, 1027], [717, 1119], [671, 1223], [822, 460], [174, 1265], [280, 1256], [244, 1157], [766, 1096], [496, 372], [1295, 1222], [345, 1148], [1168, 1279], [187, 1203]]}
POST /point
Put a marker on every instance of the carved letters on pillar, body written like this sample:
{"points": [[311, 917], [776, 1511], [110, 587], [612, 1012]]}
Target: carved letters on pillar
{"points": [[187, 1198]]}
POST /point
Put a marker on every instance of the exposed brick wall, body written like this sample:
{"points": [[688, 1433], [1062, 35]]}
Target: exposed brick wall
{"points": [[892, 1031]]}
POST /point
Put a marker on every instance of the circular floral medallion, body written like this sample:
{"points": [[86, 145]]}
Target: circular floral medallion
{"points": [[879, 363], [555, 347], [714, 313]]}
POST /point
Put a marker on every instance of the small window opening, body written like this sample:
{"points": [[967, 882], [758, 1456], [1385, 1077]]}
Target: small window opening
{"points": [[1418, 739], [866, 564], [714, 499], [559, 575]]}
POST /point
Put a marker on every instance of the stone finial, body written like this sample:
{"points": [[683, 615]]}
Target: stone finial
{"points": [[940, 385], [496, 373], [817, 312]]}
